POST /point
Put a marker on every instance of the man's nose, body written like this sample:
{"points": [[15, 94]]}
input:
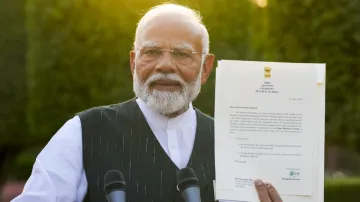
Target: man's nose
{"points": [[165, 63]]}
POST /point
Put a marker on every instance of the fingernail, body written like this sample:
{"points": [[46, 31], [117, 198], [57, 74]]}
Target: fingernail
{"points": [[268, 185], [258, 182]]}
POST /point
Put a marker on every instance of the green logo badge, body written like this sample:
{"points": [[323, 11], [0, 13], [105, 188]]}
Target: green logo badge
{"points": [[294, 174]]}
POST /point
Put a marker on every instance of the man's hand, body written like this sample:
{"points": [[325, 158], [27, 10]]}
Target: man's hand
{"points": [[267, 192]]}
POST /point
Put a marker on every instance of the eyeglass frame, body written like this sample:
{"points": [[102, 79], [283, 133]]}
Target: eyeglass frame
{"points": [[171, 50]]}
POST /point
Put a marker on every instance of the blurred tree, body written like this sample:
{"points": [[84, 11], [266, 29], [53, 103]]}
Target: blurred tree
{"points": [[78, 58], [13, 126], [324, 32], [12, 67]]}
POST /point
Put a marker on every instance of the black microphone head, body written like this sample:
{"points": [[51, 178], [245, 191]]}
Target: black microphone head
{"points": [[186, 177], [113, 180]]}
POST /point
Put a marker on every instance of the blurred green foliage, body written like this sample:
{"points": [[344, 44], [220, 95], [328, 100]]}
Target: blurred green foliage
{"points": [[341, 190], [77, 56], [12, 73], [13, 95]]}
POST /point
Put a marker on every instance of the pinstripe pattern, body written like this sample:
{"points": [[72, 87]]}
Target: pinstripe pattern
{"points": [[118, 137]]}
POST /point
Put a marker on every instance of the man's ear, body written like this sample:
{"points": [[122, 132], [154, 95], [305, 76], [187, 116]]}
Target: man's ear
{"points": [[207, 67], [132, 61]]}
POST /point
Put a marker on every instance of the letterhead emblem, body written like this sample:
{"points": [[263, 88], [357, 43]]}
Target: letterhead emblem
{"points": [[267, 73]]}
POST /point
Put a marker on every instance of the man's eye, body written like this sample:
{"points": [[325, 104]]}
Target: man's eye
{"points": [[152, 52], [181, 54]]}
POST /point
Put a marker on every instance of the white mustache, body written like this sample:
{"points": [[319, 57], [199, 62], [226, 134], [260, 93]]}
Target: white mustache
{"points": [[160, 76]]}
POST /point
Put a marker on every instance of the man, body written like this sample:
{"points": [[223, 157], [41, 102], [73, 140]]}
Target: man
{"points": [[148, 138]]}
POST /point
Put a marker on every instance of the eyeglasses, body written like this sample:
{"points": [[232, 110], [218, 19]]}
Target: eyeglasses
{"points": [[179, 56]]}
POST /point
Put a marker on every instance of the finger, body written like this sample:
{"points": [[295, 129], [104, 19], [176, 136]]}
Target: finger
{"points": [[274, 195], [262, 191]]}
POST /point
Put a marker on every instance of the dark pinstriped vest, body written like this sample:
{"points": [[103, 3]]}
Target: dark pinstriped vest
{"points": [[118, 137]]}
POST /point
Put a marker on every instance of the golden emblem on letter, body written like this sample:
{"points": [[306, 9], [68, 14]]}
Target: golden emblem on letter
{"points": [[267, 73]]}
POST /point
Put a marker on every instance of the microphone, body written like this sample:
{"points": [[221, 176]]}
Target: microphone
{"points": [[114, 186], [188, 185]]}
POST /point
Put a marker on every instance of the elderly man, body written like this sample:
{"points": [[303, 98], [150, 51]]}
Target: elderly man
{"points": [[148, 138]]}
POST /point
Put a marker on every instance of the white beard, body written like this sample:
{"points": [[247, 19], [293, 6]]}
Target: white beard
{"points": [[167, 102]]}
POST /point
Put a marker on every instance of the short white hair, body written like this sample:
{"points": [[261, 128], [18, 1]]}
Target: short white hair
{"points": [[174, 8]]}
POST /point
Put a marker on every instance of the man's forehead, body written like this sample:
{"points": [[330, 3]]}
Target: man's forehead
{"points": [[153, 44], [170, 31]]}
